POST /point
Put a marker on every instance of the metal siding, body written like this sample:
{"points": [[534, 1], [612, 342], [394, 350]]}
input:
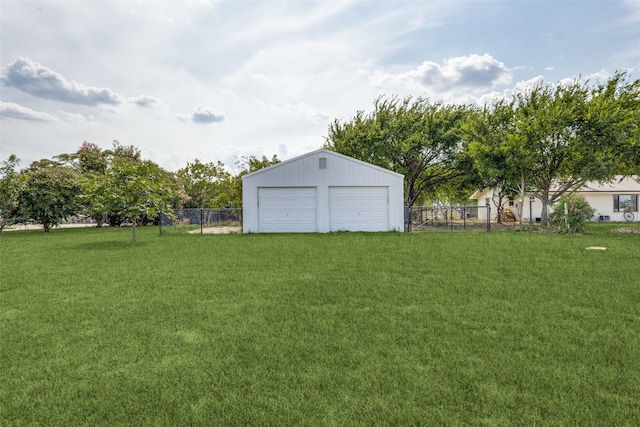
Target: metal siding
{"points": [[304, 171], [359, 208], [287, 209]]}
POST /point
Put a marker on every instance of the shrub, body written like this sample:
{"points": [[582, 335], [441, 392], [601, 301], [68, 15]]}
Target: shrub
{"points": [[578, 211]]}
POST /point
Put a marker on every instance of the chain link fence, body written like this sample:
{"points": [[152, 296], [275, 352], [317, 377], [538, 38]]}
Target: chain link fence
{"points": [[417, 218], [203, 217], [450, 218]]}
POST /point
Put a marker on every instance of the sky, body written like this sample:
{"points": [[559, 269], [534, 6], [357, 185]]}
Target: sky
{"points": [[217, 80]]}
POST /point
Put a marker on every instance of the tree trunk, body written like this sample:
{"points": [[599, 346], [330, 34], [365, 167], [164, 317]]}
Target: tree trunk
{"points": [[133, 232], [521, 204], [47, 227], [499, 208], [544, 215]]}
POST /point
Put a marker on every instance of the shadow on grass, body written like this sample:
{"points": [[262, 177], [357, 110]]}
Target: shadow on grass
{"points": [[110, 245]]}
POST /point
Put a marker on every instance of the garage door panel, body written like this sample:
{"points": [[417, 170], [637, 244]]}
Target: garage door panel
{"points": [[359, 208], [291, 209]]}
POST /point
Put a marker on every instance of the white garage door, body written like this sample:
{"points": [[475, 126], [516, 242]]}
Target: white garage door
{"points": [[288, 209], [359, 208]]}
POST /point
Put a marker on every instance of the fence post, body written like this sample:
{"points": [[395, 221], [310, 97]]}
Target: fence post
{"points": [[201, 220], [410, 217], [464, 217], [488, 217], [451, 218]]}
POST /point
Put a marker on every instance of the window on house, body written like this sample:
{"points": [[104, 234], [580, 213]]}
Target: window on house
{"points": [[625, 202], [511, 203], [323, 162]]}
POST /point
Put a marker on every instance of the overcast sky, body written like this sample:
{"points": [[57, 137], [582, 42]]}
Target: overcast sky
{"points": [[216, 79]]}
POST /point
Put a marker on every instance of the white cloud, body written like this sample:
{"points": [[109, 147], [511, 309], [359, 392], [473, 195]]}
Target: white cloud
{"points": [[277, 72], [633, 15], [30, 77], [10, 110], [525, 86], [299, 109], [287, 83], [471, 72], [75, 117], [203, 115], [150, 102], [282, 150]]}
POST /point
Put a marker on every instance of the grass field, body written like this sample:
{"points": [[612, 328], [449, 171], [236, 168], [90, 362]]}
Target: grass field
{"points": [[495, 329]]}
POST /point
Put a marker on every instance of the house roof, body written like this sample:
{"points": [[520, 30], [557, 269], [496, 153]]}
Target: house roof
{"points": [[618, 185], [324, 152]]}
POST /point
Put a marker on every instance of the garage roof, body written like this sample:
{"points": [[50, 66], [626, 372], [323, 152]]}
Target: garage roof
{"points": [[328, 153]]}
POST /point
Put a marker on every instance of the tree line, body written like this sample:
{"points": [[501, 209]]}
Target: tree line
{"points": [[547, 140], [115, 186]]}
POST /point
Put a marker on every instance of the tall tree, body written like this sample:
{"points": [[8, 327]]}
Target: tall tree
{"points": [[88, 159], [119, 151], [11, 184], [133, 189], [575, 133], [485, 132], [614, 118], [414, 137], [497, 152], [207, 184], [50, 194]]}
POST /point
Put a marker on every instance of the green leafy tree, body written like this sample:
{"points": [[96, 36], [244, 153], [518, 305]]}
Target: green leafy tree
{"points": [[497, 152], [119, 151], [132, 189], [614, 119], [208, 185], [414, 137], [574, 133], [92, 161], [50, 193], [11, 184], [552, 139], [486, 132], [88, 159]]}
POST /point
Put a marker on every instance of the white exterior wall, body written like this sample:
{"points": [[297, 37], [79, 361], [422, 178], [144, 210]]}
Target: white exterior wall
{"points": [[304, 171]]}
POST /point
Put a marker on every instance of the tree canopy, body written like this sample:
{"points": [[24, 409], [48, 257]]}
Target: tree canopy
{"points": [[208, 185], [11, 185], [133, 189], [551, 139], [50, 193], [574, 133], [412, 136], [489, 133]]}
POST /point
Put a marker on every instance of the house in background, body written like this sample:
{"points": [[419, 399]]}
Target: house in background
{"points": [[322, 191], [610, 200]]}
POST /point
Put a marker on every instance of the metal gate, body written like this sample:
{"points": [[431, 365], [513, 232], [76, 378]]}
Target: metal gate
{"points": [[449, 218]]}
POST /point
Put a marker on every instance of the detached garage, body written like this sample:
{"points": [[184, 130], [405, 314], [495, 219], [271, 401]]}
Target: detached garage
{"points": [[322, 191]]}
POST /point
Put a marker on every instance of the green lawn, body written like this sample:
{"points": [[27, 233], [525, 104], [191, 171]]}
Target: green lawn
{"points": [[500, 328]]}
